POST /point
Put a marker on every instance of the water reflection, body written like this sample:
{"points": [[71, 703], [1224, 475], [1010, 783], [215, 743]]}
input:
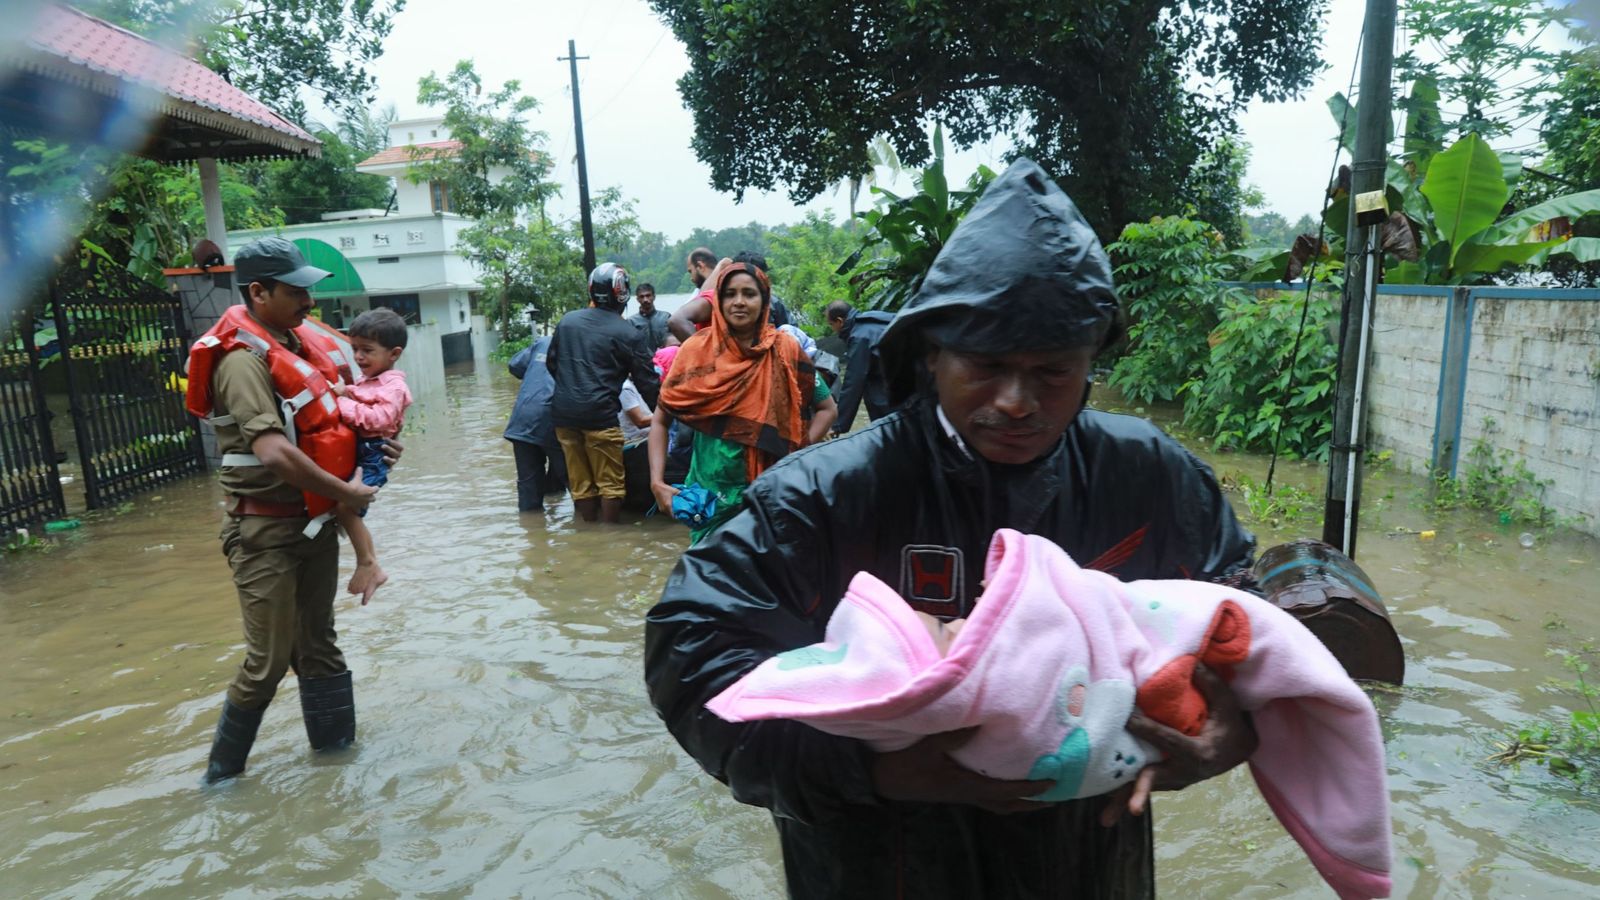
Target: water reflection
{"points": [[507, 748]]}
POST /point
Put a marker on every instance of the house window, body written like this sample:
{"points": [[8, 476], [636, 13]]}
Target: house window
{"points": [[415, 237], [440, 195], [380, 240], [406, 305], [347, 243]]}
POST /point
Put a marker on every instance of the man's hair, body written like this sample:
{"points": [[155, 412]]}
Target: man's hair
{"points": [[753, 258], [382, 325], [838, 309], [702, 256], [267, 284], [647, 286]]}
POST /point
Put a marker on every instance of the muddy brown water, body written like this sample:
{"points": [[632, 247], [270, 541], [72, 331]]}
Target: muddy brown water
{"points": [[507, 748]]}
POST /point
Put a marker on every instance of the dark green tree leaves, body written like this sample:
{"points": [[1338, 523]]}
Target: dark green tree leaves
{"points": [[1118, 98]]}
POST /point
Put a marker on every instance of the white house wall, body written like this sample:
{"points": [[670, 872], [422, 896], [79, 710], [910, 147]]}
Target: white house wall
{"points": [[396, 255]]}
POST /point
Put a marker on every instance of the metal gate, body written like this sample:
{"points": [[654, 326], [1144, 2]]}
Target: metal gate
{"points": [[124, 344], [30, 483]]}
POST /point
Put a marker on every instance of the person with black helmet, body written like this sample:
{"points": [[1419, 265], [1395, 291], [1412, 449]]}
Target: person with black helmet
{"points": [[992, 359], [591, 353]]}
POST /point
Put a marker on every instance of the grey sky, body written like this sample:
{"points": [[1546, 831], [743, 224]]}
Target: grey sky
{"points": [[637, 130]]}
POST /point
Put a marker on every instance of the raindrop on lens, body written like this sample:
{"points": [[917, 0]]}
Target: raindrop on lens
{"points": [[1526, 540]]}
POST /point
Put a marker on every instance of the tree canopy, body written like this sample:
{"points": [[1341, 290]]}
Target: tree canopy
{"points": [[270, 49], [1119, 98]]}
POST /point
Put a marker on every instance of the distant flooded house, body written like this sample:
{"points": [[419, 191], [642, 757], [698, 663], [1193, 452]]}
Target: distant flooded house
{"points": [[403, 258]]}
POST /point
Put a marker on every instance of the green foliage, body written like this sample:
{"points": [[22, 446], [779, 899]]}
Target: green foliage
{"points": [[306, 188], [1572, 124], [1496, 482], [271, 49], [650, 257], [804, 260], [1491, 68], [1121, 96], [1287, 506], [1218, 190], [1235, 400], [145, 216], [1465, 190], [1166, 270], [1272, 230], [905, 234], [1568, 745], [1452, 202], [499, 170], [497, 176], [508, 349]]}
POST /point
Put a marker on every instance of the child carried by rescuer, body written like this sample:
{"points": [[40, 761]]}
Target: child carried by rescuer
{"points": [[375, 408]]}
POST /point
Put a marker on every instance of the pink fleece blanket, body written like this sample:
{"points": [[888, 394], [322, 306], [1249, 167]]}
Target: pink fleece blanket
{"points": [[1052, 662]]}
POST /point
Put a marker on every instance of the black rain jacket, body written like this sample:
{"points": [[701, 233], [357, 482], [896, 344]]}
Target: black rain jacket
{"points": [[591, 353], [863, 375], [903, 501]]}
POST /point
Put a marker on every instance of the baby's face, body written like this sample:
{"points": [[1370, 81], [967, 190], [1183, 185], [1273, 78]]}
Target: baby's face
{"points": [[943, 633], [372, 358]]}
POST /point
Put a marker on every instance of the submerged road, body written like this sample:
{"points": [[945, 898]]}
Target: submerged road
{"points": [[506, 747]]}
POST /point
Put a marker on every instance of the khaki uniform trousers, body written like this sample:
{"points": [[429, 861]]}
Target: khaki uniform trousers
{"points": [[286, 587]]}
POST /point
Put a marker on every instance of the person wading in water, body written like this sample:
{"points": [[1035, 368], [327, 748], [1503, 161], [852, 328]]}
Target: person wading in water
{"points": [[993, 357]]}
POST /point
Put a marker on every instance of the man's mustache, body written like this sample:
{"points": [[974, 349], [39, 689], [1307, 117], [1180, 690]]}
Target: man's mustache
{"points": [[999, 422]]}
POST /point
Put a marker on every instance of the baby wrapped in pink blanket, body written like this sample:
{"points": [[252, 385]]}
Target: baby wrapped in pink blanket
{"points": [[1052, 662]]}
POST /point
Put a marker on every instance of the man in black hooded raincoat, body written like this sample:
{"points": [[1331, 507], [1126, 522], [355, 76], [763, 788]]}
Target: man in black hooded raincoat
{"points": [[995, 353]]}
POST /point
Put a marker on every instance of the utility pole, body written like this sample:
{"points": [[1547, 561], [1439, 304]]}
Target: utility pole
{"points": [[583, 164], [1363, 260]]}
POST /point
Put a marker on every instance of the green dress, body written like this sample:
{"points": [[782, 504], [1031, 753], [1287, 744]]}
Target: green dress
{"points": [[718, 466]]}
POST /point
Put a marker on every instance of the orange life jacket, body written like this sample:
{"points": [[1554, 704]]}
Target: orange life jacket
{"points": [[301, 381]]}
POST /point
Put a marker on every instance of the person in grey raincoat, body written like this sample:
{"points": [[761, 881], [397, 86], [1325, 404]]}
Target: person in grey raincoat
{"points": [[541, 469], [993, 357]]}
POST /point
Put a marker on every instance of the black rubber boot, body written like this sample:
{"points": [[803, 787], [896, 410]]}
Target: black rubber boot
{"points": [[236, 732], [330, 708]]}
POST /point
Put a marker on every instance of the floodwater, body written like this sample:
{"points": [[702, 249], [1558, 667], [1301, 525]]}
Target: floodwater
{"points": [[507, 748]]}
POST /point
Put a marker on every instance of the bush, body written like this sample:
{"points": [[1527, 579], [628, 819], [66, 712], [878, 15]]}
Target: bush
{"points": [[1235, 399], [1166, 271]]}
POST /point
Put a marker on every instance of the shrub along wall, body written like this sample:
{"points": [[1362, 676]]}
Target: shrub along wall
{"points": [[1518, 369]]}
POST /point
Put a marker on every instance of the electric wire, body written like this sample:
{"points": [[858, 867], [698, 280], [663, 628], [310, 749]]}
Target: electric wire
{"points": [[637, 69]]}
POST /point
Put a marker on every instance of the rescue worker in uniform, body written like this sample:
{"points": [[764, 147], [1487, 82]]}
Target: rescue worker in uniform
{"points": [[993, 355], [262, 360]]}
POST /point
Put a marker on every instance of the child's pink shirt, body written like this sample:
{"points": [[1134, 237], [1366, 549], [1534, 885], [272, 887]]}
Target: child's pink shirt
{"points": [[376, 407]]}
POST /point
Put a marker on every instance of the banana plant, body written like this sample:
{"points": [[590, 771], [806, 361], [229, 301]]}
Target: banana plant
{"points": [[904, 234], [1462, 227]]}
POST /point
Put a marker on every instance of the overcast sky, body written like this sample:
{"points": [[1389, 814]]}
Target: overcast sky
{"points": [[637, 130]]}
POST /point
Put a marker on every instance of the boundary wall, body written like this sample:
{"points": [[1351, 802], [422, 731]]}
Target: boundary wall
{"points": [[1518, 368]]}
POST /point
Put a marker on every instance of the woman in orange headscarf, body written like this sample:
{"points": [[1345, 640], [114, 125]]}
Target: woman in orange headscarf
{"points": [[747, 390]]}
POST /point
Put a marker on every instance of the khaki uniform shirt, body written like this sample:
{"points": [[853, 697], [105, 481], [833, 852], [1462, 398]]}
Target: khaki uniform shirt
{"points": [[241, 387]]}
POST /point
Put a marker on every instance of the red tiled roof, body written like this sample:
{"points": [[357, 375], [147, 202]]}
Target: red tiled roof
{"points": [[402, 154], [72, 45]]}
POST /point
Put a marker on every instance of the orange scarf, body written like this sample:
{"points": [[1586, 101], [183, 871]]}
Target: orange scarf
{"points": [[759, 396]]}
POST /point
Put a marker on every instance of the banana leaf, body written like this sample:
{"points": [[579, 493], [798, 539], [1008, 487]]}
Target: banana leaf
{"points": [[1424, 128], [1487, 259], [1405, 273], [1581, 249], [1573, 206], [1466, 189], [1511, 168]]}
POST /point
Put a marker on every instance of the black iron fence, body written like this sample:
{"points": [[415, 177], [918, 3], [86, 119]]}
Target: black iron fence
{"points": [[124, 345], [30, 483]]}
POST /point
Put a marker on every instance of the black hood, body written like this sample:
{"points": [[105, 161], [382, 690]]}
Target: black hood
{"points": [[1022, 272]]}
